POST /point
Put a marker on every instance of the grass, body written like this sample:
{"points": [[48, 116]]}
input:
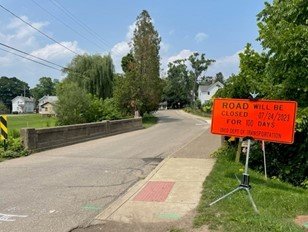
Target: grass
{"points": [[16, 122], [149, 120], [197, 112], [278, 203]]}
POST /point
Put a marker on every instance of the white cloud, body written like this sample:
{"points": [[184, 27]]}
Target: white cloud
{"points": [[184, 54], [199, 37], [5, 60], [130, 32], [122, 48], [57, 52], [164, 47], [19, 35], [181, 55], [227, 65], [117, 52]]}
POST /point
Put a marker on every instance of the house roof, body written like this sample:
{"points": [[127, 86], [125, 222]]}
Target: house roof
{"points": [[26, 99], [52, 103], [206, 88], [48, 98]]}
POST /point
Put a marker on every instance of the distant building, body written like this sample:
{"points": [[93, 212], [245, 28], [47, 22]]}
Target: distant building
{"points": [[22, 105], [163, 105], [206, 92], [47, 104]]}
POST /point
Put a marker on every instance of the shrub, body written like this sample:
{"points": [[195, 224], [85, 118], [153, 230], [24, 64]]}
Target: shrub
{"points": [[14, 133], [3, 108], [110, 111], [287, 162], [14, 149]]}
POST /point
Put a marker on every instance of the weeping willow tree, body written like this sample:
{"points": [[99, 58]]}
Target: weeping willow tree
{"points": [[93, 73]]}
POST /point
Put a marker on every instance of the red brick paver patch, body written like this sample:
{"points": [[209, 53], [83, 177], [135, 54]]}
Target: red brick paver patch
{"points": [[155, 191], [302, 220]]}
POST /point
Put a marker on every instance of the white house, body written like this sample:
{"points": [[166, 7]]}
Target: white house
{"points": [[45, 108], [206, 92], [23, 105]]}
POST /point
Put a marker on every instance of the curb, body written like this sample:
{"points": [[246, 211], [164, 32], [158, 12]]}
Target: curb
{"points": [[114, 206]]}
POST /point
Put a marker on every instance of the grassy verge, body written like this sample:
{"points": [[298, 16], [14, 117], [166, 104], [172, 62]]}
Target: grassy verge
{"points": [[279, 203], [16, 122], [197, 112], [149, 120]]}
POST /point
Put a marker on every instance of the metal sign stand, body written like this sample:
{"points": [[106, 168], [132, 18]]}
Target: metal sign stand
{"points": [[244, 184], [264, 159]]}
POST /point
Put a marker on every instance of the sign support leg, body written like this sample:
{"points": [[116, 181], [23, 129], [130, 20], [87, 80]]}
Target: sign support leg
{"points": [[264, 159], [244, 185]]}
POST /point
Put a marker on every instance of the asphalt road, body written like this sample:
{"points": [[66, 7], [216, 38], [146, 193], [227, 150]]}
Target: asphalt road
{"points": [[61, 189]]}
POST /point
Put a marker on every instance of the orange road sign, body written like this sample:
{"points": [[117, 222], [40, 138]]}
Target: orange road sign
{"points": [[269, 120]]}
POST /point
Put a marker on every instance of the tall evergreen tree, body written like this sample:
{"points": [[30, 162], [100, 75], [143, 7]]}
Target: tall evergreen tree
{"points": [[145, 51]]}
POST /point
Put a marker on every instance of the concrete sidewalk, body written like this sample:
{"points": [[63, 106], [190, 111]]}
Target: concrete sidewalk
{"points": [[166, 196]]}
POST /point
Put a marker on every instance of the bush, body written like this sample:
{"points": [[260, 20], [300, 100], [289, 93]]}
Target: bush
{"points": [[110, 111], [3, 108], [14, 133], [73, 104], [207, 107], [288, 162], [14, 149]]}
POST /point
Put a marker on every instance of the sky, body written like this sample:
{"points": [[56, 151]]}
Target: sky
{"points": [[218, 28]]}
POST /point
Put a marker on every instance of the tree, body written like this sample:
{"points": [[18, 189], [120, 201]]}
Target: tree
{"points": [[219, 77], [11, 88], [46, 86], [128, 93], [145, 52], [250, 78], [208, 80], [3, 108], [93, 73], [178, 85], [128, 63], [283, 32], [199, 64], [73, 105]]}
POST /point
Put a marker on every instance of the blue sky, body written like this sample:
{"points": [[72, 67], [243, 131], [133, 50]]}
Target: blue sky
{"points": [[218, 28]]}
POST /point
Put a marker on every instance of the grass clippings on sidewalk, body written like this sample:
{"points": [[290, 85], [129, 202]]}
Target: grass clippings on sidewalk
{"points": [[278, 203]]}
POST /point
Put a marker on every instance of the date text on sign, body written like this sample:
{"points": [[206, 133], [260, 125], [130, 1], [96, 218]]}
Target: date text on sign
{"points": [[269, 120]]}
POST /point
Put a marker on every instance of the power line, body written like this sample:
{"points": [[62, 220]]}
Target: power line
{"points": [[38, 30], [15, 49], [65, 24], [83, 25], [63, 68], [23, 52], [27, 58]]}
